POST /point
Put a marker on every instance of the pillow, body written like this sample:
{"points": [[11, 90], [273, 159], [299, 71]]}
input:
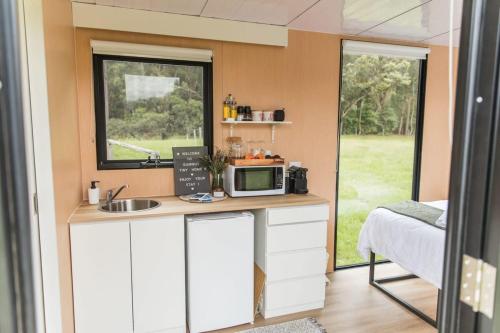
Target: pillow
{"points": [[441, 221]]}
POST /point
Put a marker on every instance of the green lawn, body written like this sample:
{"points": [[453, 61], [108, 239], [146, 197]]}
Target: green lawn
{"points": [[373, 170], [163, 146]]}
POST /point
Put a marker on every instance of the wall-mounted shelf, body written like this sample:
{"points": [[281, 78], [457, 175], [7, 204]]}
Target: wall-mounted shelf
{"points": [[273, 125]]}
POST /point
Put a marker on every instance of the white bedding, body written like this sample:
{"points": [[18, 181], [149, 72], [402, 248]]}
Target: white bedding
{"points": [[410, 243]]}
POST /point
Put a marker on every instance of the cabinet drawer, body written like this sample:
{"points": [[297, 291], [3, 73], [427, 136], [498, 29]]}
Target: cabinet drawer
{"points": [[297, 214], [289, 265], [296, 236], [294, 292]]}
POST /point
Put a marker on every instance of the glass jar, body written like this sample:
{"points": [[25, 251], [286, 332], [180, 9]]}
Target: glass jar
{"points": [[217, 185], [237, 151]]}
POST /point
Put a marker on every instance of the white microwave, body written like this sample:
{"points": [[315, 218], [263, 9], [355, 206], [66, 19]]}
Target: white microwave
{"points": [[248, 181]]}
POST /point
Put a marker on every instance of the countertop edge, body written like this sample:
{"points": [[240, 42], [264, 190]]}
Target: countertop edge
{"points": [[172, 205]]}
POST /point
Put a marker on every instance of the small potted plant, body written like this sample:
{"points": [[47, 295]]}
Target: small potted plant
{"points": [[216, 165]]}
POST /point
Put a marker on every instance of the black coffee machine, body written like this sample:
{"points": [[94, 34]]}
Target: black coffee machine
{"points": [[297, 180]]}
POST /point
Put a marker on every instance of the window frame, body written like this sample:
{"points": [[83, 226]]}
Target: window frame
{"points": [[417, 153], [100, 104]]}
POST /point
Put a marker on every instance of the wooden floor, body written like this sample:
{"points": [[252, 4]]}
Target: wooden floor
{"points": [[353, 306]]}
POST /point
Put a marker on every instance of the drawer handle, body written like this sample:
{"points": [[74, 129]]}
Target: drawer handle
{"points": [[293, 223]]}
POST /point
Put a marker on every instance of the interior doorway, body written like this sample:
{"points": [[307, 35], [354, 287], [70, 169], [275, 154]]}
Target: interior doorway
{"points": [[380, 129]]}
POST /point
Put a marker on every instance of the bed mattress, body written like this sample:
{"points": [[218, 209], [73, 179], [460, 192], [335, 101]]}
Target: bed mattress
{"points": [[414, 245]]}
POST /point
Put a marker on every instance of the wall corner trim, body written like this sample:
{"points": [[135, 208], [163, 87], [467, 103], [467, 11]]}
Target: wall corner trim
{"points": [[159, 23]]}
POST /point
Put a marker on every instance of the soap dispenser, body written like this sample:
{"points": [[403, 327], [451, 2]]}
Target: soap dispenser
{"points": [[94, 193]]}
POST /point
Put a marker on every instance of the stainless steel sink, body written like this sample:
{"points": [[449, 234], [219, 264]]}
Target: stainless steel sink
{"points": [[129, 205]]}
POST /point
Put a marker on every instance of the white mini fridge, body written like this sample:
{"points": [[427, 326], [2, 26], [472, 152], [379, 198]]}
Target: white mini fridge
{"points": [[220, 257]]}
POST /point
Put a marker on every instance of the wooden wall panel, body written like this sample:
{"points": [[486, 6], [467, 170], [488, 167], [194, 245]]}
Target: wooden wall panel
{"points": [[436, 150], [303, 78], [312, 95], [64, 128], [254, 75]]}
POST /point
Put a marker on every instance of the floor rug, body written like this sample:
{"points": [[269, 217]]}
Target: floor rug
{"points": [[306, 325]]}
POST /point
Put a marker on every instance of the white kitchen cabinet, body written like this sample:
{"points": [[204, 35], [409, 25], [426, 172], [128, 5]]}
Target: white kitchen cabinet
{"points": [[290, 247], [128, 276], [158, 274], [101, 277]]}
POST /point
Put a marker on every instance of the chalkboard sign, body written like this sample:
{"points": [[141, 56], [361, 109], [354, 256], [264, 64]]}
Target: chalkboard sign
{"points": [[189, 175]]}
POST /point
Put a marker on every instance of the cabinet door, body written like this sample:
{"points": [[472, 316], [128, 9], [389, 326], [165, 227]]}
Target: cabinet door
{"points": [[158, 273], [102, 288]]}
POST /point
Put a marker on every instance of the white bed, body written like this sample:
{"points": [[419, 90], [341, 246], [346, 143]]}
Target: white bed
{"points": [[414, 245]]}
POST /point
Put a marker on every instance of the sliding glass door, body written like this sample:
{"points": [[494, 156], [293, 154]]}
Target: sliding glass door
{"points": [[378, 141]]}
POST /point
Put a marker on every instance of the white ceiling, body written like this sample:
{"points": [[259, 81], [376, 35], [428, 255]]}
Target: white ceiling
{"points": [[278, 12], [412, 20]]}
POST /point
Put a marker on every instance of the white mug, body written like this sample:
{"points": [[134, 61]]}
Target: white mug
{"points": [[256, 115], [268, 115]]}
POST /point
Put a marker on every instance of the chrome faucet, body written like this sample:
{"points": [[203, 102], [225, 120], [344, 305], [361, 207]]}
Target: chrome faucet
{"points": [[111, 194], [151, 161]]}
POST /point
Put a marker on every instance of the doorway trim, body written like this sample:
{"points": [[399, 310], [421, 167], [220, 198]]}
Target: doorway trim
{"points": [[417, 159], [419, 131], [39, 164]]}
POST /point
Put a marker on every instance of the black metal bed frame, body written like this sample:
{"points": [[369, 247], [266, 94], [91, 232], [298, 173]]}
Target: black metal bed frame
{"points": [[378, 283]]}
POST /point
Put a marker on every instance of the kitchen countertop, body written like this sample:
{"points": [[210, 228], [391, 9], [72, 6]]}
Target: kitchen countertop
{"points": [[174, 206]]}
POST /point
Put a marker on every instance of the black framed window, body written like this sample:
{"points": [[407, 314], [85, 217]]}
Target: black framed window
{"points": [[146, 106], [381, 117]]}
